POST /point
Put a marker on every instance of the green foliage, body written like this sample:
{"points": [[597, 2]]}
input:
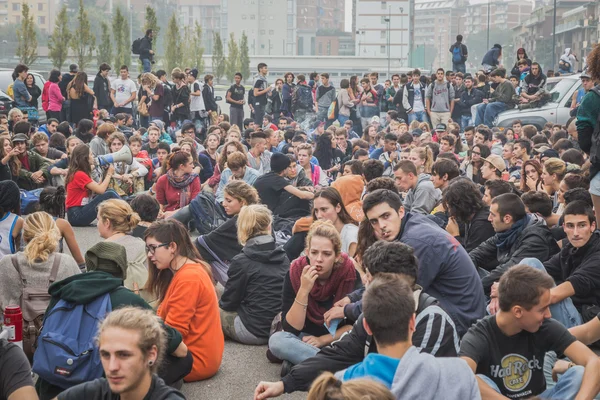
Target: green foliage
{"points": [[104, 54], [233, 59], [58, 43], [173, 53], [218, 59], [83, 41], [26, 38], [198, 48], [120, 28], [151, 22], [244, 57]]}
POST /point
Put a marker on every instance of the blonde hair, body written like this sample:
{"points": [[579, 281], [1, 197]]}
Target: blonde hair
{"points": [[242, 192], [325, 229], [253, 220], [327, 387], [414, 125], [556, 166], [307, 147], [144, 322], [424, 126], [425, 154], [41, 235], [150, 78], [120, 214]]}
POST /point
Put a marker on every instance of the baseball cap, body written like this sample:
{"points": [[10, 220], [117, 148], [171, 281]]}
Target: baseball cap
{"points": [[20, 137], [585, 74], [73, 68], [497, 162], [417, 132], [550, 153], [441, 128]]}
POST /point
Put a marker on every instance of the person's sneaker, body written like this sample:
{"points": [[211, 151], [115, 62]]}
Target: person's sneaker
{"points": [[272, 358], [286, 367]]}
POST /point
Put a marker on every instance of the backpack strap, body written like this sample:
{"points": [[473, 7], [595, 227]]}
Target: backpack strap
{"points": [[596, 90], [54, 270], [15, 263]]}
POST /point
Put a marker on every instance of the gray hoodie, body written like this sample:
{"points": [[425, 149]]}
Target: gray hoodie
{"points": [[440, 95], [423, 198], [423, 376]]}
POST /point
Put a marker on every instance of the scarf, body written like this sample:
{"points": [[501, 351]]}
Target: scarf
{"points": [[315, 174], [182, 183], [340, 283], [507, 238]]}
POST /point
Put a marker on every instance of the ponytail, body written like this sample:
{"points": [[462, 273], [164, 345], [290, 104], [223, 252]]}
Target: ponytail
{"points": [[41, 235], [253, 220]]}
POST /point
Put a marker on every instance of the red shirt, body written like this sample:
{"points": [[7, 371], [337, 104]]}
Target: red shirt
{"points": [[77, 193], [169, 197]]}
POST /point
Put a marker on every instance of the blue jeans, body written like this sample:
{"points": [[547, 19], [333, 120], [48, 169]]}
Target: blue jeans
{"points": [[465, 120], [146, 65], [459, 67], [342, 119], [563, 311], [567, 387], [420, 116], [287, 346], [85, 215], [487, 112]]}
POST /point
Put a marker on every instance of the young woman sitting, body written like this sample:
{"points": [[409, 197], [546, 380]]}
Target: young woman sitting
{"points": [[221, 245], [52, 201], [252, 295], [188, 301], [81, 208], [311, 287], [115, 220], [179, 186], [147, 208], [230, 147], [10, 222]]}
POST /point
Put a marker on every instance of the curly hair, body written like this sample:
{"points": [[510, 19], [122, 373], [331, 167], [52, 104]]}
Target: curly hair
{"points": [[593, 62], [462, 199]]}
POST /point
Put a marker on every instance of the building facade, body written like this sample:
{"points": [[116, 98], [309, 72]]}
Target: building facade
{"points": [[207, 13], [313, 16], [43, 11]]}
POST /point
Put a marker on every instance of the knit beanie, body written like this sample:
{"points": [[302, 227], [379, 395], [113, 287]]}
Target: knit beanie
{"points": [[109, 257], [10, 197], [279, 162], [160, 125]]}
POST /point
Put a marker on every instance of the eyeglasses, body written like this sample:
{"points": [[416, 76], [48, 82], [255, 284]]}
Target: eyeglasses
{"points": [[151, 248]]}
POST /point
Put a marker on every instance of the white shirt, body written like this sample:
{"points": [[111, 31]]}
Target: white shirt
{"points": [[123, 90]]}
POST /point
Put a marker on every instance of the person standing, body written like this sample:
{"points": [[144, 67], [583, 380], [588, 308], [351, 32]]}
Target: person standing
{"points": [[21, 95], [413, 97], [82, 98], [440, 99], [146, 52], [325, 96], [67, 78], [55, 97], [459, 55], [469, 97], [102, 88], [235, 99], [260, 90], [197, 107], [123, 92]]}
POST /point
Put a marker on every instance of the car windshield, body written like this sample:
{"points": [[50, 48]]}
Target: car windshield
{"points": [[561, 89]]}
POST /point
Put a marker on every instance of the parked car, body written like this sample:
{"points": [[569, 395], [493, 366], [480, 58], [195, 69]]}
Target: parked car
{"points": [[555, 111], [6, 80], [5, 103]]}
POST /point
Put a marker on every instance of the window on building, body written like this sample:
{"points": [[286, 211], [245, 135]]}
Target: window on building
{"points": [[320, 48], [384, 5], [383, 34], [16, 6], [40, 6], [18, 19], [382, 49], [41, 20]]}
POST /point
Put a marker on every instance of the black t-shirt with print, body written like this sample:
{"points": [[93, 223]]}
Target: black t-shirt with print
{"points": [[100, 390], [15, 371], [515, 363], [270, 187], [260, 84], [151, 151], [237, 94]]}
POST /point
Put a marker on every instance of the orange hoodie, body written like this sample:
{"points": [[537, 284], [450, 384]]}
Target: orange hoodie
{"points": [[351, 188], [191, 307]]}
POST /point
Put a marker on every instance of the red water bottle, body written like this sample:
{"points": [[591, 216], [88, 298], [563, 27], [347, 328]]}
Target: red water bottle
{"points": [[13, 322]]}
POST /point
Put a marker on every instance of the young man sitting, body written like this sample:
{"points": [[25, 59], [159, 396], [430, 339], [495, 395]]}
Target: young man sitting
{"points": [[442, 172], [507, 350], [33, 173], [389, 154], [493, 189], [540, 203], [389, 316], [502, 99], [422, 196], [130, 342], [237, 169]]}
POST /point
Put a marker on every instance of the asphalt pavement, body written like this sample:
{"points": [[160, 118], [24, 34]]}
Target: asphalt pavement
{"points": [[242, 367]]}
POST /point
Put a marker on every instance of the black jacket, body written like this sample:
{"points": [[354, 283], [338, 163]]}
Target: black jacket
{"points": [[102, 95], [580, 267], [468, 99], [208, 95], [64, 82], [534, 241], [434, 334], [255, 284], [181, 95], [145, 47], [478, 230]]}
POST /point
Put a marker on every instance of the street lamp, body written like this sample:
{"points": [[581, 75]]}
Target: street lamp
{"points": [[388, 20], [488, 24], [554, 36], [401, 37], [359, 33]]}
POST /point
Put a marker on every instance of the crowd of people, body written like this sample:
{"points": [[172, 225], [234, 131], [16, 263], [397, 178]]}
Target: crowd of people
{"points": [[384, 241]]}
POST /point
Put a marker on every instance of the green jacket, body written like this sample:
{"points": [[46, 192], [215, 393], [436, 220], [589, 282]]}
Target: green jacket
{"points": [[36, 163], [83, 289]]}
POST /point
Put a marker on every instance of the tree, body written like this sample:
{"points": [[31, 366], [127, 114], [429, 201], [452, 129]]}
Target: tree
{"points": [[58, 43], [244, 57], [26, 38], [173, 53], [218, 59], [83, 41], [120, 29], [233, 59], [152, 23], [198, 48], [105, 48]]}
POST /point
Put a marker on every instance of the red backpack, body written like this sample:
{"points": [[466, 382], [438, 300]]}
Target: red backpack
{"points": [[46, 96]]}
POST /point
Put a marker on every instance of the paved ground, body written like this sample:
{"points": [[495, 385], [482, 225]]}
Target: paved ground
{"points": [[242, 368]]}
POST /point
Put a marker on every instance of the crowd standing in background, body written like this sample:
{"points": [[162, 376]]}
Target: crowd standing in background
{"points": [[384, 240]]}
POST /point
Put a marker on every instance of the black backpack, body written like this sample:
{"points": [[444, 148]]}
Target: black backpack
{"points": [[136, 46]]}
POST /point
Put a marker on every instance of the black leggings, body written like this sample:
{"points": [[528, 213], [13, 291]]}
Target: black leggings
{"points": [[174, 369]]}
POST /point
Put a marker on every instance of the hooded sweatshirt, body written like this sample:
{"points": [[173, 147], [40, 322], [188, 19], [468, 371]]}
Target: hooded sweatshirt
{"points": [[85, 288], [423, 197], [351, 188], [255, 284], [418, 376], [492, 57]]}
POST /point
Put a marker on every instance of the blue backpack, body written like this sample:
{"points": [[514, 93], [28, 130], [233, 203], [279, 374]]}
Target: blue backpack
{"points": [[30, 200], [457, 56], [67, 354]]}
